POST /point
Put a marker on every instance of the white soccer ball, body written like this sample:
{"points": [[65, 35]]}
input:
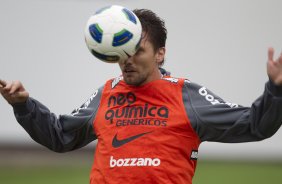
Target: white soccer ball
{"points": [[113, 34]]}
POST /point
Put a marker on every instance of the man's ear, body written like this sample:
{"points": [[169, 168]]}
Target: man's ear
{"points": [[160, 55]]}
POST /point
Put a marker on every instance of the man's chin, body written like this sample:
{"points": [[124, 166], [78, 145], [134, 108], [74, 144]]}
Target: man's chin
{"points": [[132, 81], [129, 81]]}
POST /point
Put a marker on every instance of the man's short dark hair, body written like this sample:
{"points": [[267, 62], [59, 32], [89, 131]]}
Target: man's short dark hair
{"points": [[153, 26]]}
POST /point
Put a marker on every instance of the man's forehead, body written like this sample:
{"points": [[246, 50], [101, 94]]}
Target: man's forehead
{"points": [[145, 36], [145, 40]]}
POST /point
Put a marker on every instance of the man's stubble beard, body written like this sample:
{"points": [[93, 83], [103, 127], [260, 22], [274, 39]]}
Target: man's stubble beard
{"points": [[135, 81]]}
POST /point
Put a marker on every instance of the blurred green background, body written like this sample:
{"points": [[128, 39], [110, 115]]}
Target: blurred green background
{"points": [[24, 164], [208, 172]]}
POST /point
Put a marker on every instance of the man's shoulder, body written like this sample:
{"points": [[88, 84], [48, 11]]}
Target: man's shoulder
{"points": [[113, 82], [175, 79]]}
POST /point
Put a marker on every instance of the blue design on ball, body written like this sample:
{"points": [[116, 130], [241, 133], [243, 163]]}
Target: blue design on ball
{"points": [[121, 38], [104, 57], [129, 15], [96, 32]]}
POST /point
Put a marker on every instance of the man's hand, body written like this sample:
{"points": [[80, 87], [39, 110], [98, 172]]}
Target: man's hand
{"points": [[13, 92], [274, 68]]}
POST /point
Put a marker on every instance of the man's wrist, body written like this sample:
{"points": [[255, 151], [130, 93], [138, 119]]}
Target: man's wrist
{"points": [[276, 90], [23, 108]]}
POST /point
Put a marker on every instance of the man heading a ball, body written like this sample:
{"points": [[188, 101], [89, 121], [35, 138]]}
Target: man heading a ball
{"points": [[149, 125]]}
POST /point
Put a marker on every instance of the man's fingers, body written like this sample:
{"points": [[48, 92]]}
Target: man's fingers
{"points": [[280, 58], [16, 85], [2, 83], [270, 54], [13, 92], [8, 86], [11, 87]]}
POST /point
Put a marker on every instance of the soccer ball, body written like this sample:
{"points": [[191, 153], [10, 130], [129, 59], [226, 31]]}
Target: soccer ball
{"points": [[113, 34]]}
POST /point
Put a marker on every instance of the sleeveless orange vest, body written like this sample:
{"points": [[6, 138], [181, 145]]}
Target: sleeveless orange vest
{"points": [[144, 135]]}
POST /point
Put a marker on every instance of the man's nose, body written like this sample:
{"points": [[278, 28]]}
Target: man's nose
{"points": [[128, 60]]}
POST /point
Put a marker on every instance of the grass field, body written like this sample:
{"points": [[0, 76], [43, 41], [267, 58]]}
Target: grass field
{"points": [[44, 175], [238, 173], [207, 173]]}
